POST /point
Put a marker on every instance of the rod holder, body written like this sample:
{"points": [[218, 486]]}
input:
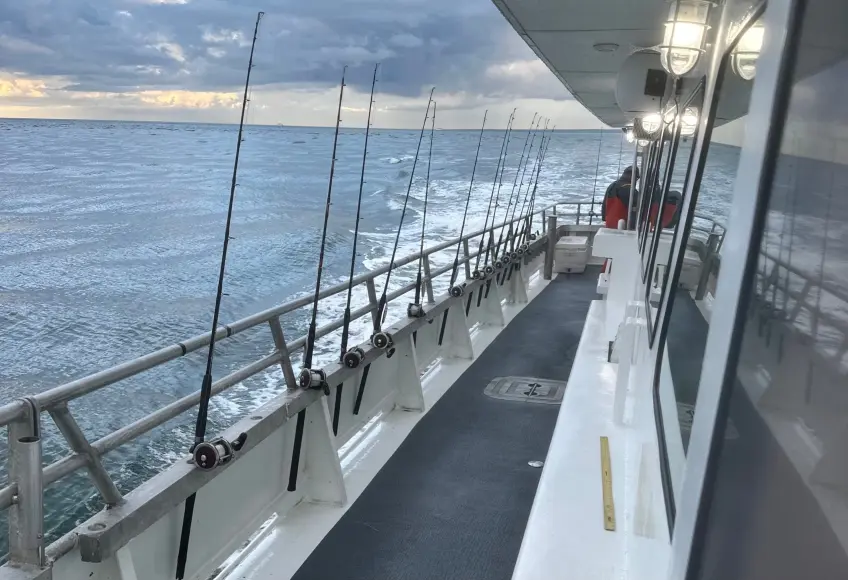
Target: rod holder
{"points": [[26, 534]]}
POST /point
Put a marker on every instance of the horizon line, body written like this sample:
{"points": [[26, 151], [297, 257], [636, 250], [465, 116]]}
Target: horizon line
{"points": [[281, 125]]}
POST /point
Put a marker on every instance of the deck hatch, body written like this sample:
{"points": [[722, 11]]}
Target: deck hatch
{"points": [[526, 390]]}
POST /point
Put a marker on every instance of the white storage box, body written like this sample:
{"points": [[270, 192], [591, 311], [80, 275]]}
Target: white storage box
{"points": [[690, 273], [571, 254]]}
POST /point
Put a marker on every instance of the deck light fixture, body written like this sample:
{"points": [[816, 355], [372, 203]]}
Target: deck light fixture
{"points": [[651, 123], [689, 122], [628, 134], [747, 51], [685, 32]]}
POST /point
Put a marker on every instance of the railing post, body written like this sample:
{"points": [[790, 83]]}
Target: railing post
{"points": [[26, 516], [707, 266], [544, 221], [282, 347], [467, 254], [79, 444], [579, 206], [549, 253], [428, 282]]}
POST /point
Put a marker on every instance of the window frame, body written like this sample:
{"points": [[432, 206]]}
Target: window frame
{"points": [[759, 150], [654, 325], [650, 182]]}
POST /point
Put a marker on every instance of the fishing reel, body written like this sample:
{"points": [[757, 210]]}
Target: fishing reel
{"points": [[499, 265], [524, 247], [489, 270], [313, 379], [414, 311], [514, 256], [533, 236], [381, 340], [477, 275], [353, 358], [457, 291], [210, 454]]}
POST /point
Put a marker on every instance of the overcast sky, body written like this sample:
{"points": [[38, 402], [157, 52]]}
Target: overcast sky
{"points": [[185, 60]]}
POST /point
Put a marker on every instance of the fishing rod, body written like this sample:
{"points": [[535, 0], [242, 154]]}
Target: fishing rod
{"points": [[208, 455], [487, 269], [316, 378], [516, 252], [543, 150], [415, 309], [520, 250], [497, 257], [526, 217], [380, 339], [527, 194], [476, 274], [457, 290], [351, 358]]}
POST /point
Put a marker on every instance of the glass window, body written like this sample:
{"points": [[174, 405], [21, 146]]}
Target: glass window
{"points": [[664, 224], [778, 507], [689, 292], [658, 164]]}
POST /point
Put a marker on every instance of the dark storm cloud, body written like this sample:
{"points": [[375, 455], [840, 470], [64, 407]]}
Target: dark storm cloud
{"points": [[130, 45]]}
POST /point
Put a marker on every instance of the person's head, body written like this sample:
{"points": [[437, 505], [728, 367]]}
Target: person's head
{"points": [[627, 174]]}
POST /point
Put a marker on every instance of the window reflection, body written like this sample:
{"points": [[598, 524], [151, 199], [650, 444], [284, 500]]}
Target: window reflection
{"points": [[652, 192], [785, 473], [664, 215], [691, 298]]}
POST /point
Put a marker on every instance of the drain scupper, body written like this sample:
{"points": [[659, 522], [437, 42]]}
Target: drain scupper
{"points": [[526, 390]]}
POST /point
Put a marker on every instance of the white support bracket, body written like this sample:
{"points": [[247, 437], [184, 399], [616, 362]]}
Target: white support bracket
{"points": [[410, 395], [517, 287], [491, 313], [322, 469], [457, 341], [126, 566]]}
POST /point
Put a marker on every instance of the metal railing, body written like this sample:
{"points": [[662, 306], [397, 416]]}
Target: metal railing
{"points": [[22, 417]]}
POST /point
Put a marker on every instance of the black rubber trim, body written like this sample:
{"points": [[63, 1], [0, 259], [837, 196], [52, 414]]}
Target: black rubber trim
{"points": [[442, 329], [358, 403], [182, 348], [298, 443], [337, 409]]}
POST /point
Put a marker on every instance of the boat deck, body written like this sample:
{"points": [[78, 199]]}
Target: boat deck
{"points": [[453, 501]]}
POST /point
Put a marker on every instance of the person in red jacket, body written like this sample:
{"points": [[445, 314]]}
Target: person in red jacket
{"points": [[617, 198]]}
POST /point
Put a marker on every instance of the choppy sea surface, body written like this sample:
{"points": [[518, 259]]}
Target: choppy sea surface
{"points": [[112, 236]]}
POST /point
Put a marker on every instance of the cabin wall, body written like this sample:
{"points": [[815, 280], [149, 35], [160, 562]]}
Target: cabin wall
{"points": [[749, 366]]}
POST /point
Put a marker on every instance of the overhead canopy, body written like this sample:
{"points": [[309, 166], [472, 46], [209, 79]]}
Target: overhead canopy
{"points": [[565, 33]]}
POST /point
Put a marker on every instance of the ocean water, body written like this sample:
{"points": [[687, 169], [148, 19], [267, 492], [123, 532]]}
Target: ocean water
{"points": [[112, 235]]}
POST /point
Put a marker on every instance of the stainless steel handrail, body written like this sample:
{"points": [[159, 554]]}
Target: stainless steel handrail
{"points": [[87, 455]]}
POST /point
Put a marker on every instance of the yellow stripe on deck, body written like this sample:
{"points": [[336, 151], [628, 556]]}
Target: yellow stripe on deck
{"points": [[606, 486]]}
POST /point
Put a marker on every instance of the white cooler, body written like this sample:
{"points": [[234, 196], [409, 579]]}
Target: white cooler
{"points": [[571, 254]]}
